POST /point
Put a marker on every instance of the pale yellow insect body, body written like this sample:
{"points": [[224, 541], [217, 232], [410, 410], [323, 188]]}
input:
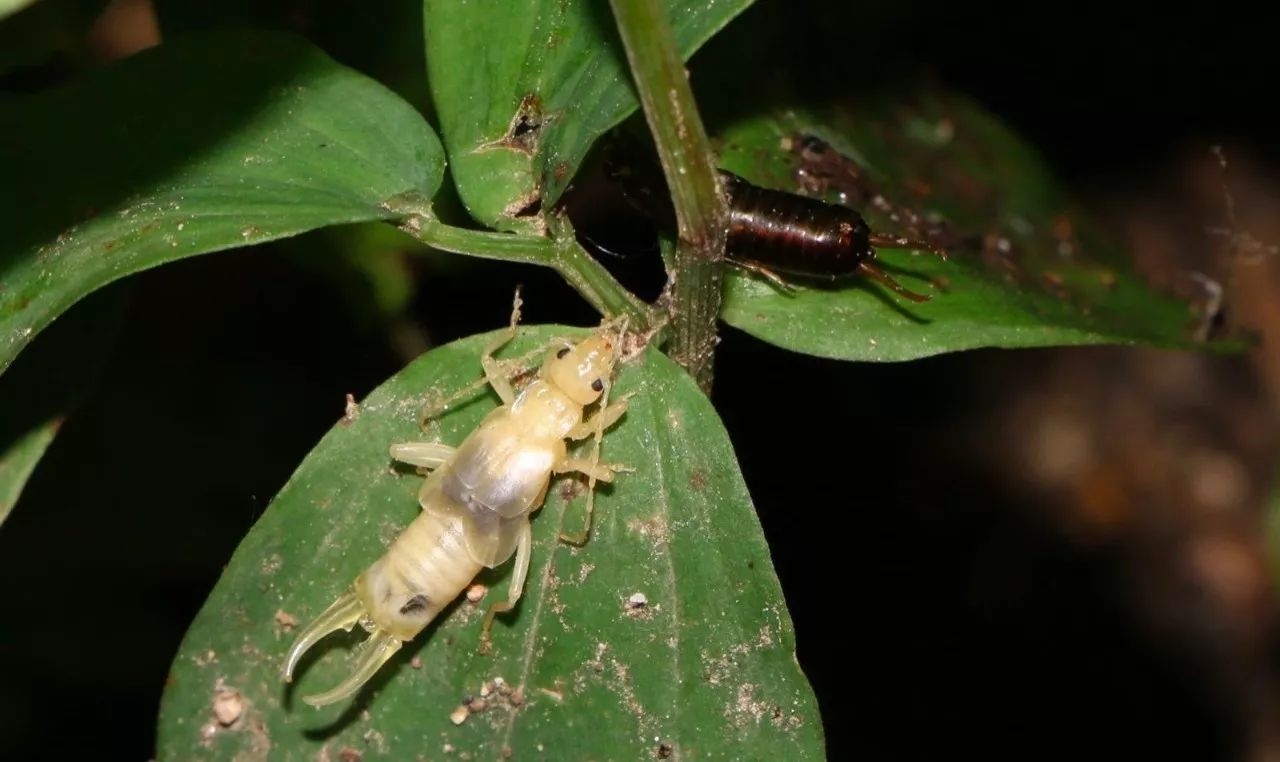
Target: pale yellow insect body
{"points": [[476, 506]]}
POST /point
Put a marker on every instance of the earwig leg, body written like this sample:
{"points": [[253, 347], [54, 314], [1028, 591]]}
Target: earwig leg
{"points": [[880, 276], [596, 472], [885, 241], [342, 615], [764, 272], [496, 370], [604, 418], [422, 454], [524, 547], [513, 367], [601, 472]]}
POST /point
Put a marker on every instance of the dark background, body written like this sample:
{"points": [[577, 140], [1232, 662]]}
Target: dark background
{"points": [[1034, 554]]}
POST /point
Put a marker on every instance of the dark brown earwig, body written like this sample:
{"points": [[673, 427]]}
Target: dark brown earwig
{"points": [[773, 232]]}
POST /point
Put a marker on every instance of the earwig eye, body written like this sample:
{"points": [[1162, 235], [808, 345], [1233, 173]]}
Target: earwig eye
{"points": [[563, 351], [598, 385]]}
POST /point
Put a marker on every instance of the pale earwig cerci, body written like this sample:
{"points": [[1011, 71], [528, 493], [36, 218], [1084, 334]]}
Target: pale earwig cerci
{"points": [[476, 503]]}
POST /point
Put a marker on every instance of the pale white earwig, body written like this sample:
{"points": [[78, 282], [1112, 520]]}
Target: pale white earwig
{"points": [[476, 503]]}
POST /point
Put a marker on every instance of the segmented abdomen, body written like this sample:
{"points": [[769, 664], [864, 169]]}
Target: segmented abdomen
{"points": [[792, 234], [424, 570]]}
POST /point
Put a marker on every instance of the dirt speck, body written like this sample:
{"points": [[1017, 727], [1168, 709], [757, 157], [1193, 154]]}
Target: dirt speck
{"points": [[285, 620], [271, 564], [416, 662], [569, 489], [459, 714], [351, 412], [664, 751], [349, 754], [654, 528], [637, 606], [476, 593], [375, 740], [228, 706]]}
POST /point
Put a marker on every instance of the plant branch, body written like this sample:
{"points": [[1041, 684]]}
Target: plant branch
{"points": [[687, 162], [560, 252]]}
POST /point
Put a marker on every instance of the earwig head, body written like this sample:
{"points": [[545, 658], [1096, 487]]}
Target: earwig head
{"points": [[581, 370]]}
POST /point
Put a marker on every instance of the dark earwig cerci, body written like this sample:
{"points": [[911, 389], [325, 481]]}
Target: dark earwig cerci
{"points": [[773, 232]]}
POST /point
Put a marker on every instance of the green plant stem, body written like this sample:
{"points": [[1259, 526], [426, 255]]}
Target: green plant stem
{"points": [[560, 252], [689, 166]]}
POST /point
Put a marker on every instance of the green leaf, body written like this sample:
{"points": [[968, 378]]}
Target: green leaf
{"points": [[47, 384], [524, 88], [10, 7], [706, 667], [1027, 269], [205, 144]]}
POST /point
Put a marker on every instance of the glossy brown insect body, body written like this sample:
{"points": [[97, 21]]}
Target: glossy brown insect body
{"points": [[773, 232]]}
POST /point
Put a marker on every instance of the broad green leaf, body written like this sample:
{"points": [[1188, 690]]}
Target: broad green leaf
{"points": [[10, 7], [47, 384], [1027, 269], [380, 38], [205, 144], [524, 88], [705, 668]]}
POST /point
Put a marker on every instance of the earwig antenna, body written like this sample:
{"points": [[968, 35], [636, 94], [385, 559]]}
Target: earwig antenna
{"points": [[876, 274], [521, 364], [886, 241], [518, 365]]}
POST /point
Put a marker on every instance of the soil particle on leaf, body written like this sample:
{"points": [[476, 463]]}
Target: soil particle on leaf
{"points": [[459, 714], [476, 592], [569, 489], [228, 706], [285, 620], [271, 564], [416, 662], [654, 528], [636, 606], [349, 754], [375, 741], [350, 412], [664, 751]]}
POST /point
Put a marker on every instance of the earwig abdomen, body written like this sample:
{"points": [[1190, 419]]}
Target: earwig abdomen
{"points": [[793, 234], [424, 570]]}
